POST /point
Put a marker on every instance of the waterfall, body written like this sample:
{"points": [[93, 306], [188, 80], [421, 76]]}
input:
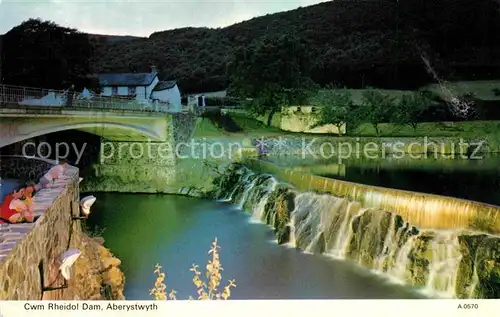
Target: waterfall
{"points": [[247, 190], [443, 268], [389, 241], [401, 260], [258, 210], [377, 239], [345, 232], [241, 184]]}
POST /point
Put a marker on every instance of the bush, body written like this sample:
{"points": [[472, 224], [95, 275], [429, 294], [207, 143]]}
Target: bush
{"points": [[206, 289]]}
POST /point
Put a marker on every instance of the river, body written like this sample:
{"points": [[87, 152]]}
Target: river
{"points": [[177, 231], [7, 186], [472, 179]]}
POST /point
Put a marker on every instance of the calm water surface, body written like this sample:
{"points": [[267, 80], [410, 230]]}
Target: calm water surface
{"points": [[7, 186], [477, 180], [176, 232]]}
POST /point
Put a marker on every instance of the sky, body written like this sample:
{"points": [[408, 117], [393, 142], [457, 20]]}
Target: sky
{"points": [[139, 18]]}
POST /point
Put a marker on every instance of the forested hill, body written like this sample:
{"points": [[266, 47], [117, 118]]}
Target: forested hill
{"points": [[354, 43], [381, 43]]}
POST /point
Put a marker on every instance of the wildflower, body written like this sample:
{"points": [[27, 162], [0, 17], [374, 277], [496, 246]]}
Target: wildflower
{"points": [[206, 290]]}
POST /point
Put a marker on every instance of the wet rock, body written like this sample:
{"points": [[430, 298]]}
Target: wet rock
{"points": [[465, 276], [304, 237], [278, 208], [369, 233], [99, 240], [283, 235], [107, 262], [319, 244], [420, 258], [488, 268]]}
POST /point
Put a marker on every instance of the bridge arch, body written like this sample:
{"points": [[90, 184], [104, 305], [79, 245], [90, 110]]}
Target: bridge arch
{"points": [[20, 130]]}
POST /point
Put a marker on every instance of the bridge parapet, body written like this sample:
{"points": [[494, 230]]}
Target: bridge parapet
{"points": [[22, 168], [27, 248], [27, 97]]}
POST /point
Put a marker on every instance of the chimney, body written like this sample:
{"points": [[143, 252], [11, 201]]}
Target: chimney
{"points": [[153, 69]]}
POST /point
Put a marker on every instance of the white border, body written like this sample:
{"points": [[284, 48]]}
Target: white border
{"points": [[253, 308]]}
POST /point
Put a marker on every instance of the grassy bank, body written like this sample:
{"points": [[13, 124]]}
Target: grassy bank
{"points": [[250, 127], [466, 129]]}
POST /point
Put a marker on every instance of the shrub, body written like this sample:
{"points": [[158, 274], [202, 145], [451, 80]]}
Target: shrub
{"points": [[206, 289]]}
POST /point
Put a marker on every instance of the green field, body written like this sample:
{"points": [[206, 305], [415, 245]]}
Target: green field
{"points": [[357, 94], [251, 127], [468, 129], [482, 89]]}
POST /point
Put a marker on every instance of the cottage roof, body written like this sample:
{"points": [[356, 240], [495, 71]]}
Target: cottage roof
{"points": [[162, 85], [127, 79]]}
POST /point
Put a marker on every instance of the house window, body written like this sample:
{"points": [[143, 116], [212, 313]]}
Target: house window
{"points": [[131, 91], [114, 91]]}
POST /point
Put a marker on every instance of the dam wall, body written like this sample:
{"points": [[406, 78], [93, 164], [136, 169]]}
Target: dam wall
{"points": [[421, 209], [444, 263]]}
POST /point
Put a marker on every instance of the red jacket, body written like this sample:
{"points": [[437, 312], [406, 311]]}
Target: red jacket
{"points": [[5, 211]]}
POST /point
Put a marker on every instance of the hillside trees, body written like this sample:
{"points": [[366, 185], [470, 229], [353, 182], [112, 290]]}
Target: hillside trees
{"points": [[43, 54], [377, 108], [411, 107], [336, 107], [354, 43], [271, 73]]}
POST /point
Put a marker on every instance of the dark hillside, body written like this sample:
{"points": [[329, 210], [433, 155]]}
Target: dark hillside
{"points": [[353, 43]]}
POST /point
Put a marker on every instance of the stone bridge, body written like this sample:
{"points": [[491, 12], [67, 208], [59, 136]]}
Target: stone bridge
{"points": [[130, 128], [18, 124]]}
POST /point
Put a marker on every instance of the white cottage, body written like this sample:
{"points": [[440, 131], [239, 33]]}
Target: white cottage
{"points": [[141, 86]]}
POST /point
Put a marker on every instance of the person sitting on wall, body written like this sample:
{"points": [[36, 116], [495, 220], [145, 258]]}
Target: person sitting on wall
{"points": [[14, 209], [29, 192], [52, 175]]}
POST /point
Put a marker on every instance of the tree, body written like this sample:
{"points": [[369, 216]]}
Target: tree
{"points": [[410, 108], [42, 54], [376, 108], [337, 108], [271, 72]]}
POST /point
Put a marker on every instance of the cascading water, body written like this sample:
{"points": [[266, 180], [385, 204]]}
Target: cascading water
{"points": [[444, 265], [247, 189], [258, 210], [398, 270], [344, 235], [376, 239]]}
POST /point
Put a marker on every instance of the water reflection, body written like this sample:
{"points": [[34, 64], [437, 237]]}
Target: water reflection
{"points": [[176, 232], [7, 186], [477, 180]]}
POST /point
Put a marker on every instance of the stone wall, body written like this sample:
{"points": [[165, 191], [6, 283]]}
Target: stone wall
{"points": [[303, 119], [147, 167], [297, 119], [136, 167], [29, 251]]}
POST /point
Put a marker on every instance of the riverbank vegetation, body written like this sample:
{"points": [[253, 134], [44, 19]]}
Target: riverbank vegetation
{"points": [[207, 285], [250, 127]]}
